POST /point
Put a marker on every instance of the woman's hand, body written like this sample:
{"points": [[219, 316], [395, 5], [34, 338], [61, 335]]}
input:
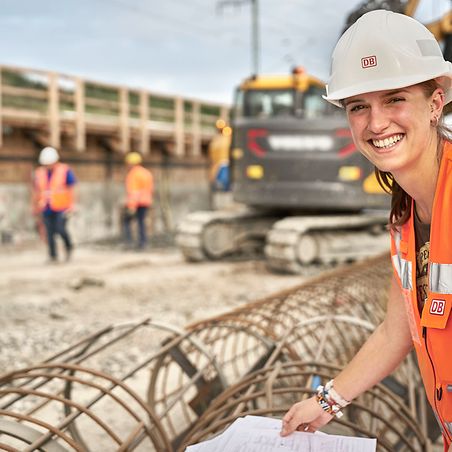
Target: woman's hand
{"points": [[307, 416]]}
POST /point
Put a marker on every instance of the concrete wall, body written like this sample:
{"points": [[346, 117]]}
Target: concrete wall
{"points": [[181, 187]]}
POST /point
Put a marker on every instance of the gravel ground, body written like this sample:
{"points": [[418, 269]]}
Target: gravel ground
{"points": [[45, 307]]}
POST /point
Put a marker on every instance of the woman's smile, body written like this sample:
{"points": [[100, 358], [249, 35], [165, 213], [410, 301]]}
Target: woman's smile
{"points": [[386, 144], [391, 128]]}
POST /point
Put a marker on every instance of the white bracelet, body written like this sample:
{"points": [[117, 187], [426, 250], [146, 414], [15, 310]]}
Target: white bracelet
{"points": [[334, 395]]}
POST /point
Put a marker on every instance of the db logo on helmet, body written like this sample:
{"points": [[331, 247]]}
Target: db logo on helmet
{"points": [[437, 307], [368, 61]]}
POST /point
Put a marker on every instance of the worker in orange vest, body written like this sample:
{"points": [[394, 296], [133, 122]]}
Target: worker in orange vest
{"points": [[219, 158], [389, 75], [53, 198], [139, 191]]}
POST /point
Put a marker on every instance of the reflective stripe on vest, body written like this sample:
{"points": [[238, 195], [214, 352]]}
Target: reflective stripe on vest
{"points": [[449, 426], [403, 267], [406, 272], [441, 278]]}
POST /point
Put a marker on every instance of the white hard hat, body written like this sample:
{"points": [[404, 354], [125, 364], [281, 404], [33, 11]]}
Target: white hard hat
{"points": [[48, 156], [385, 50]]}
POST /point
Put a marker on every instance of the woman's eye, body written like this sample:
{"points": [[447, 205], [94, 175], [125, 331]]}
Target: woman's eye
{"points": [[396, 99], [356, 108]]}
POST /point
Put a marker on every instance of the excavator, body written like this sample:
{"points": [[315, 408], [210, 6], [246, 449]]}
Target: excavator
{"points": [[307, 195]]}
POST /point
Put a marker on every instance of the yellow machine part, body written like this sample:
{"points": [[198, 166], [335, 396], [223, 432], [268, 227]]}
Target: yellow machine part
{"points": [[299, 81], [349, 173], [237, 153], [255, 171], [371, 185]]}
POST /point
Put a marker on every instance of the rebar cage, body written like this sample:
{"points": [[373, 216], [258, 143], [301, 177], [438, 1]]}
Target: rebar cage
{"points": [[149, 386]]}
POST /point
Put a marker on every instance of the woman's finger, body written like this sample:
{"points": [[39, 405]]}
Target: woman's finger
{"points": [[289, 424]]}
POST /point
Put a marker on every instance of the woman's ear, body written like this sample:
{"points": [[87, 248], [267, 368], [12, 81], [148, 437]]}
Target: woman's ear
{"points": [[437, 103]]}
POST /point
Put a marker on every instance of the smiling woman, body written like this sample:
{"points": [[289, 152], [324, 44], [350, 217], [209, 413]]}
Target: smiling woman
{"points": [[389, 74], [392, 128], [402, 139]]}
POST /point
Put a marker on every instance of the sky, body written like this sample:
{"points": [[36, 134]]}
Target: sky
{"points": [[193, 48]]}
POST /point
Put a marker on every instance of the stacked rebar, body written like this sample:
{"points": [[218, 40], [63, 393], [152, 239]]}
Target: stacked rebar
{"points": [[91, 396], [271, 391]]}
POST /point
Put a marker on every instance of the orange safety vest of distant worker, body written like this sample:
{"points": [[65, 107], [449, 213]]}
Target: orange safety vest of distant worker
{"points": [[218, 153], [139, 187], [431, 332], [54, 191]]}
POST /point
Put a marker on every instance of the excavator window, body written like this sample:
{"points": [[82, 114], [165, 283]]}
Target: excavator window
{"points": [[237, 111], [268, 103], [313, 105]]}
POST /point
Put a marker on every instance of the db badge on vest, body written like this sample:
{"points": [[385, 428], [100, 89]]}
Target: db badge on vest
{"points": [[437, 307], [436, 312]]}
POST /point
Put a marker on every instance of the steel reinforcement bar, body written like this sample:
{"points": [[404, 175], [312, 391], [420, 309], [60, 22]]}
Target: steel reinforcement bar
{"points": [[148, 386]]}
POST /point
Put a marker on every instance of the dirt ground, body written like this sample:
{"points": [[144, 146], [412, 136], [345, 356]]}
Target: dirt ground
{"points": [[45, 307]]}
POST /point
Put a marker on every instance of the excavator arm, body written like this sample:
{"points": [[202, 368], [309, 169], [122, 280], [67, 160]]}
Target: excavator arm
{"points": [[441, 28]]}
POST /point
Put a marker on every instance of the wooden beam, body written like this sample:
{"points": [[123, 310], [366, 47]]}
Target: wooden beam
{"points": [[54, 110], [179, 126], [80, 125], [124, 132], [144, 118], [196, 128]]}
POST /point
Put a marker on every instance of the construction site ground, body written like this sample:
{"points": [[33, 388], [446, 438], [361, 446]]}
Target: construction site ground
{"points": [[46, 307]]}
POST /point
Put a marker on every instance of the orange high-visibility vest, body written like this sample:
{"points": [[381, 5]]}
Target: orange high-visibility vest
{"points": [[139, 187], [432, 333], [54, 191]]}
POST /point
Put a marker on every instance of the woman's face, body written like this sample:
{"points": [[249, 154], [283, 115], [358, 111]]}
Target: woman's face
{"points": [[392, 128]]}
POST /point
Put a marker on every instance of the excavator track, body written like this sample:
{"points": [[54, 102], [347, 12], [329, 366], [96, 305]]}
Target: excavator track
{"points": [[215, 235], [296, 243], [291, 245]]}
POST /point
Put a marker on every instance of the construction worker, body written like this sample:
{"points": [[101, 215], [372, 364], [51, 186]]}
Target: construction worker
{"points": [[139, 191], [219, 157], [219, 171], [389, 75], [53, 198]]}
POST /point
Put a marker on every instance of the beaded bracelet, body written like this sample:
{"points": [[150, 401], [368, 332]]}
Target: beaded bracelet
{"points": [[330, 400], [328, 405]]}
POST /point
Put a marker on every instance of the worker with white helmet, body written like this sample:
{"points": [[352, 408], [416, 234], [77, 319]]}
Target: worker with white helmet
{"points": [[53, 198], [389, 75], [139, 191]]}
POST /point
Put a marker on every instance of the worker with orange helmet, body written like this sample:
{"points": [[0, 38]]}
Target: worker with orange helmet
{"points": [[139, 186], [389, 75], [219, 157], [53, 198]]}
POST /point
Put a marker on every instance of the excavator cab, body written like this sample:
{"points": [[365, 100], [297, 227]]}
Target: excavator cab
{"points": [[293, 151]]}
